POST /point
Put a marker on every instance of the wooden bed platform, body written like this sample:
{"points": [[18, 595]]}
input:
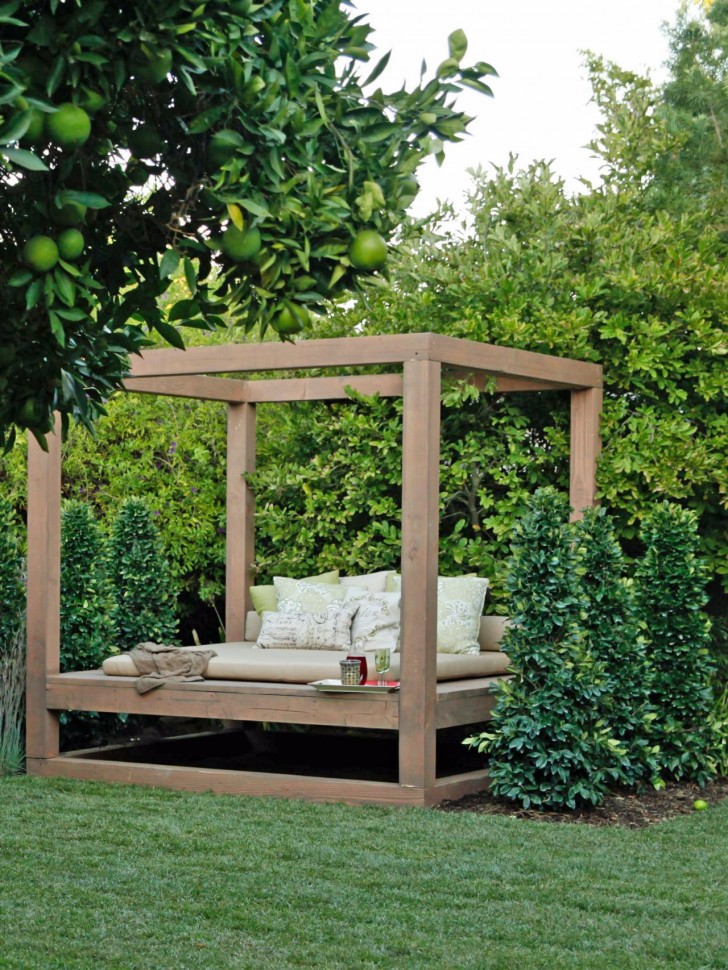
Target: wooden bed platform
{"points": [[423, 706]]}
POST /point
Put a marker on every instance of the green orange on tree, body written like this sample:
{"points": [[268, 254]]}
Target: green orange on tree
{"points": [[292, 319], [241, 246], [145, 141], [40, 253], [69, 214], [153, 66], [36, 128], [70, 244], [69, 126], [368, 251]]}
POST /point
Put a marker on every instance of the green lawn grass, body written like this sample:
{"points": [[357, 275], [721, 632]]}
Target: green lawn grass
{"points": [[119, 878]]}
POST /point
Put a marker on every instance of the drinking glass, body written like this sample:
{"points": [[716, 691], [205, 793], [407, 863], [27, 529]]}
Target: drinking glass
{"points": [[382, 662]]}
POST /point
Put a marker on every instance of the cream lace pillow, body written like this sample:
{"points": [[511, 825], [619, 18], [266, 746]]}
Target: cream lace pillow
{"points": [[460, 602], [376, 622], [303, 596], [327, 630]]}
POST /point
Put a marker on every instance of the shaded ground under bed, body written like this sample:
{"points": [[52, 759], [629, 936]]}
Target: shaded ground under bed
{"points": [[364, 755]]}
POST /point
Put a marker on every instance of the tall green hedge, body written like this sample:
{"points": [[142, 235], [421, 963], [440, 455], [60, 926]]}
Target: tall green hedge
{"points": [[547, 746], [671, 579], [144, 595], [12, 643]]}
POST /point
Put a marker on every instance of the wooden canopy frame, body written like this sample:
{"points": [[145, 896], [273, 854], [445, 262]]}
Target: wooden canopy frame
{"points": [[415, 364]]}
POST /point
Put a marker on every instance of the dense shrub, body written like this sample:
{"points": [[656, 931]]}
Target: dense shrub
{"points": [[144, 597], [671, 580], [546, 746], [611, 625], [87, 629], [12, 643]]}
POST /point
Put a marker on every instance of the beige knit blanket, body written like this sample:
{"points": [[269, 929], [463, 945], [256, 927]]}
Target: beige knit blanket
{"points": [[158, 664]]}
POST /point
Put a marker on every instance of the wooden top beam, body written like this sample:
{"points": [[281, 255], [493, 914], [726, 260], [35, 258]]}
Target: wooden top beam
{"points": [[546, 371]]}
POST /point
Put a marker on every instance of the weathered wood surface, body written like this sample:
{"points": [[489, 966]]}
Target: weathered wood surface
{"points": [[240, 517], [586, 407], [44, 592], [420, 534]]}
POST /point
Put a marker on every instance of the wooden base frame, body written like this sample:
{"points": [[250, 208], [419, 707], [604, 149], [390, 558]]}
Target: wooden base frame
{"points": [[416, 364]]}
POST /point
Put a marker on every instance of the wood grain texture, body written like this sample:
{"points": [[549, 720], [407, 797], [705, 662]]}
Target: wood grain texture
{"points": [[323, 388], [200, 388], [240, 520], [586, 407], [43, 591], [225, 782], [510, 362], [420, 534]]}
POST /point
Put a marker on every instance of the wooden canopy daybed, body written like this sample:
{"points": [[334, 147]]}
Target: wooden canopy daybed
{"points": [[415, 364]]}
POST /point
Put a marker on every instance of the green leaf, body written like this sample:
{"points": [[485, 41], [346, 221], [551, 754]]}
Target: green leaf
{"points": [[90, 199], [256, 208], [170, 334], [25, 159], [457, 44], [168, 263]]}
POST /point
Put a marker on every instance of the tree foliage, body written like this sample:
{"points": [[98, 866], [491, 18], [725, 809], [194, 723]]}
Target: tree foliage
{"points": [[12, 588], [164, 132]]}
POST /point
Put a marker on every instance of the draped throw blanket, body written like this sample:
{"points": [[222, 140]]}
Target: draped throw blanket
{"points": [[158, 664]]}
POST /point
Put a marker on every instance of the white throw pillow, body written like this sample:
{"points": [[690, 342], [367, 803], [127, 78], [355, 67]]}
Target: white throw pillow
{"points": [[373, 582], [302, 596], [327, 630], [376, 622]]}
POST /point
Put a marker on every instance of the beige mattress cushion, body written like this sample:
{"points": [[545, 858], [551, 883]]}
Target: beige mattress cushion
{"points": [[240, 661]]}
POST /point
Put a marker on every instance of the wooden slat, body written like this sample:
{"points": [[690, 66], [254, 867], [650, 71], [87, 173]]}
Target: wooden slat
{"points": [[323, 388], [240, 520], [455, 786], [509, 362], [43, 591], [200, 388], [225, 700], [452, 711], [420, 530], [586, 409], [232, 358], [503, 385], [222, 781]]}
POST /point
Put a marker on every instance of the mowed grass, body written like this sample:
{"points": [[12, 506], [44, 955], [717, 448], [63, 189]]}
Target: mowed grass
{"points": [[103, 877]]}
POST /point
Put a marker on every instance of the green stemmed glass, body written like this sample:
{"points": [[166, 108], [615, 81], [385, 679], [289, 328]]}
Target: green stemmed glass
{"points": [[382, 661]]}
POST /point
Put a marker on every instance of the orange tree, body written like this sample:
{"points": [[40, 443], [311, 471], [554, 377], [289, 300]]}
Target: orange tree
{"points": [[237, 142]]}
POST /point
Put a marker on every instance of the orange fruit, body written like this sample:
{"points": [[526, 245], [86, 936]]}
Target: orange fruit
{"points": [[223, 145], [70, 244], [153, 68], [368, 251], [36, 129], [69, 126], [291, 319], [40, 253], [241, 246], [70, 214], [145, 141]]}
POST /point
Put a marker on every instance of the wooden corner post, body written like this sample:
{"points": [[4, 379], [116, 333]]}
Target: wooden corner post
{"points": [[420, 538], [586, 407], [240, 524], [43, 595]]}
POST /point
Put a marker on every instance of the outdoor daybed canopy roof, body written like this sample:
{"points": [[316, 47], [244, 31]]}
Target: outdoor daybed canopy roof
{"points": [[414, 365]]}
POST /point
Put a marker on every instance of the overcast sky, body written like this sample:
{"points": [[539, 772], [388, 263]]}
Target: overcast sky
{"points": [[541, 108]]}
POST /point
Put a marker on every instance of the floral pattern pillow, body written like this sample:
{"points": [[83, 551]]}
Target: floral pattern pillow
{"points": [[304, 596], [460, 601]]}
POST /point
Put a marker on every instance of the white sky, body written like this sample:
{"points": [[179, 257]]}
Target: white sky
{"points": [[541, 108]]}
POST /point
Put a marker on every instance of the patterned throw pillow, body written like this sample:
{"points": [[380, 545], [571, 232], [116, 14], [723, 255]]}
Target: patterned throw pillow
{"points": [[459, 608], [376, 622], [327, 630], [264, 597], [460, 602], [303, 596], [374, 582]]}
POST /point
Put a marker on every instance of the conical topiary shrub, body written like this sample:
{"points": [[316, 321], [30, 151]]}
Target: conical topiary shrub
{"points": [[144, 600], [671, 593], [612, 629], [546, 745], [87, 628]]}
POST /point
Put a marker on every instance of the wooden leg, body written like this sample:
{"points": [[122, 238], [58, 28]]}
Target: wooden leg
{"points": [[420, 536], [586, 406], [240, 532], [44, 592]]}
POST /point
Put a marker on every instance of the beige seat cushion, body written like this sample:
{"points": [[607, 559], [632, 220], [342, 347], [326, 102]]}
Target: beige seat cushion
{"points": [[238, 661]]}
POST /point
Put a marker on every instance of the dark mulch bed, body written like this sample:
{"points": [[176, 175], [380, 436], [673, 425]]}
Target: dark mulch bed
{"points": [[634, 811]]}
